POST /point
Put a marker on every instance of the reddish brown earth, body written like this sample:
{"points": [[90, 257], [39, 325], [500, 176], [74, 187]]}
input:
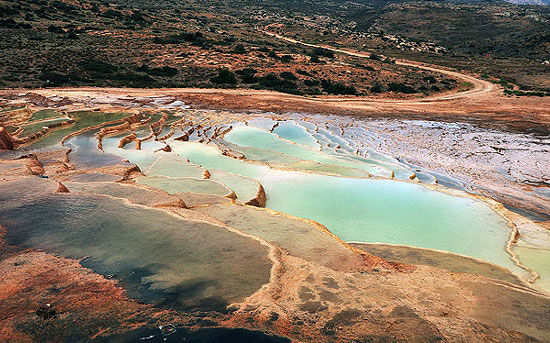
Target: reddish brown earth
{"points": [[487, 106]]}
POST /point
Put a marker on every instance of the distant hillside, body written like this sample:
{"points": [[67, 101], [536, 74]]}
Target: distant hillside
{"points": [[474, 28], [173, 43], [530, 2]]}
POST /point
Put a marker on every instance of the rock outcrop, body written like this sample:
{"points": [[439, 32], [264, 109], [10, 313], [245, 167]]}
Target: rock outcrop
{"points": [[6, 142]]}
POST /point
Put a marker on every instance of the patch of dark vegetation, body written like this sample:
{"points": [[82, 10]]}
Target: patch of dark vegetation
{"points": [[337, 88], [322, 53], [288, 75], [165, 71], [375, 57], [247, 75], [524, 93], [272, 81], [224, 77], [195, 38], [400, 88], [286, 58], [376, 88], [12, 24], [239, 49], [54, 79], [97, 67], [312, 83]]}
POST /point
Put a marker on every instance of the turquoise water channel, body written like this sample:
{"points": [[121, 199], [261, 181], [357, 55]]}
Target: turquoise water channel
{"points": [[356, 209]]}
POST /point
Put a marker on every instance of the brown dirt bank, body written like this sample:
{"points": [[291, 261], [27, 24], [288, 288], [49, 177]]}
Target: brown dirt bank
{"points": [[488, 107], [439, 259]]}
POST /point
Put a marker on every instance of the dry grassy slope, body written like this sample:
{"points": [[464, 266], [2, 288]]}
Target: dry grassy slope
{"points": [[51, 42]]}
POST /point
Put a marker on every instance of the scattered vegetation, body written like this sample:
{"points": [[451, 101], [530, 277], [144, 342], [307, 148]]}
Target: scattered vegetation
{"points": [[172, 44], [400, 88], [160, 71], [337, 88], [225, 76], [195, 38]]}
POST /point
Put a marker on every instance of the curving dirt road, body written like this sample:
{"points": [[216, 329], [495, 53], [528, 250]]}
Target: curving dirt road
{"points": [[479, 86]]}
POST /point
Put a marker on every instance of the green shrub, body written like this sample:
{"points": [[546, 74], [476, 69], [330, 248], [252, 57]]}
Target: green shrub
{"points": [[195, 38], [430, 79], [55, 29], [286, 58], [273, 54], [311, 83], [225, 76], [272, 81], [505, 84], [376, 88], [239, 49], [288, 75], [323, 52], [264, 49], [110, 13], [54, 79], [375, 57], [160, 71], [400, 88], [522, 93], [97, 67], [337, 88], [247, 75]]}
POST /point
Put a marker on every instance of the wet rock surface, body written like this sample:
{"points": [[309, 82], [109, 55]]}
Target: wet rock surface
{"points": [[511, 167], [115, 259]]}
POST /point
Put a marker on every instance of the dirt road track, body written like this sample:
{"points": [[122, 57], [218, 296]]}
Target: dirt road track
{"points": [[478, 86]]}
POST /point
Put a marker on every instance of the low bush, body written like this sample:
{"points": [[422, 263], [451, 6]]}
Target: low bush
{"points": [[286, 58], [97, 67], [303, 72], [337, 88], [165, 71], [400, 88], [247, 75], [288, 75], [225, 76], [311, 83], [239, 49], [375, 57], [376, 88], [272, 81], [323, 52]]}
